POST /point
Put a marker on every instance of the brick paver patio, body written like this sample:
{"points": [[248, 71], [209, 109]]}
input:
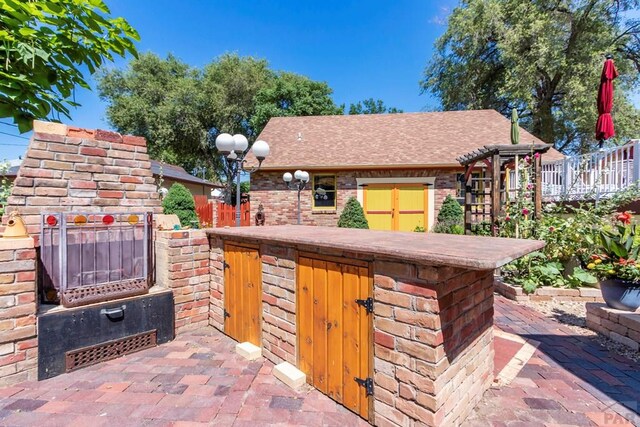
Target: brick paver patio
{"points": [[570, 379], [195, 380], [198, 380]]}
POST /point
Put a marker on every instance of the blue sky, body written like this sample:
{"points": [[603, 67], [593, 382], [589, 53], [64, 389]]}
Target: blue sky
{"points": [[362, 49]]}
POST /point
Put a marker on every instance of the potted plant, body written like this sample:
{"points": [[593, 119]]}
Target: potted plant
{"points": [[616, 266]]}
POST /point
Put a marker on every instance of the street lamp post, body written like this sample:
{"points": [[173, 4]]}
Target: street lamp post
{"points": [[301, 179], [235, 148]]}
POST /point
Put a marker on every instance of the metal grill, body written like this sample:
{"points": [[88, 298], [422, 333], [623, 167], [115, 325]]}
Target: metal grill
{"points": [[94, 257], [87, 356]]}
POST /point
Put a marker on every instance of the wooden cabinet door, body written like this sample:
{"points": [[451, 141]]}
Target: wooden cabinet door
{"points": [[334, 331], [243, 293]]}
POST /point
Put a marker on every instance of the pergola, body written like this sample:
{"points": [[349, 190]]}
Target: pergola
{"points": [[497, 159]]}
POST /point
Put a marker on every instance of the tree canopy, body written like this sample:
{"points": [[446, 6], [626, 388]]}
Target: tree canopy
{"points": [[181, 110], [371, 106], [542, 57], [45, 45]]}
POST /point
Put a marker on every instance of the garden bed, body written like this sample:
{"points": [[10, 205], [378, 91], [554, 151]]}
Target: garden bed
{"points": [[548, 293]]}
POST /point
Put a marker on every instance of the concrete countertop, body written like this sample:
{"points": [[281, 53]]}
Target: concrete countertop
{"points": [[471, 252]]}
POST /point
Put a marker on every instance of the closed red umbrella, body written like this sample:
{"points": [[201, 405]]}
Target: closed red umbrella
{"points": [[604, 125]]}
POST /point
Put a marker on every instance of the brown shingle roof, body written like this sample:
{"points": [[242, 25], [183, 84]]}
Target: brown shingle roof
{"points": [[385, 140]]}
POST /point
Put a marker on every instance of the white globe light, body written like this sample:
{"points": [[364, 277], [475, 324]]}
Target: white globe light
{"points": [[287, 177], [305, 176], [298, 174], [225, 143], [232, 155], [260, 149], [240, 142]]}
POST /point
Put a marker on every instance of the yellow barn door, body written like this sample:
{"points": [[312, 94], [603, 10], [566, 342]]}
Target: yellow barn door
{"points": [[399, 207], [378, 207]]}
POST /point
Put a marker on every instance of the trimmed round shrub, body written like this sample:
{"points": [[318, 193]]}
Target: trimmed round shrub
{"points": [[450, 218], [353, 215], [179, 201]]}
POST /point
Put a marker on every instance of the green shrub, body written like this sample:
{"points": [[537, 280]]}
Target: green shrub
{"points": [[353, 216], [179, 201], [450, 218]]}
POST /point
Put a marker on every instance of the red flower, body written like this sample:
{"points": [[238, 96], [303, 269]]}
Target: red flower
{"points": [[525, 211], [624, 217], [552, 229]]}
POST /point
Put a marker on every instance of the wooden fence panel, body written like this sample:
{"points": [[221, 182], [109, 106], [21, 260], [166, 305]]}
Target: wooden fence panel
{"points": [[204, 209], [227, 215]]}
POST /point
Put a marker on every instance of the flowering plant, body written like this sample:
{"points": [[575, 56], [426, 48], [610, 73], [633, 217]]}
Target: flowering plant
{"points": [[618, 252]]}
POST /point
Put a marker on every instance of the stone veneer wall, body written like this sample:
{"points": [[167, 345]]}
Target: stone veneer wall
{"points": [[67, 169], [182, 265], [432, 331], [281, 206], [617, 325], [18, 341]]}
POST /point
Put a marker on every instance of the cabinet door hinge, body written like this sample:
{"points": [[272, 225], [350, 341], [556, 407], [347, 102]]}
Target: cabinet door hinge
{"points": [[366, 303], [367, 383]]}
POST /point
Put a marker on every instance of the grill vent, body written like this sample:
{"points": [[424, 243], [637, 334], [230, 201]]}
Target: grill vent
{"points": [[87, 356]]}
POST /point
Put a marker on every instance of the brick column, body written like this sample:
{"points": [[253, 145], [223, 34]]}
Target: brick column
{"points": [[216, 286], [18, 341], [433, 342], [279, 303], [182, 265]]}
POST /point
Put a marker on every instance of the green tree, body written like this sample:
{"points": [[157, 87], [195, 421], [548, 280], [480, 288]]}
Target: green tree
{"points": [[450, 218], [371, 106], [181, 110], [542, 57], [179, 201], [353, 215], [45, 45], [289, 94], [5, 185]]}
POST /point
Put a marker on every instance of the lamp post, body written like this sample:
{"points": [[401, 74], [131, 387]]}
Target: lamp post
{"points": [[301, 179], [235, 148]]}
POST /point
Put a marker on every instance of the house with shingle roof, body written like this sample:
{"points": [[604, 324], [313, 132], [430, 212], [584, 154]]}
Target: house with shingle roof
{"points": [[400, 167]]}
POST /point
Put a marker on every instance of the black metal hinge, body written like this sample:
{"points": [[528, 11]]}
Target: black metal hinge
{"points": [[225, 265], [367, 383], [366, 303], [226, 314]]}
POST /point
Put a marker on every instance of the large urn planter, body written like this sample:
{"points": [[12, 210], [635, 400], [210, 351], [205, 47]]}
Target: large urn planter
{"points": [[620, 294]]}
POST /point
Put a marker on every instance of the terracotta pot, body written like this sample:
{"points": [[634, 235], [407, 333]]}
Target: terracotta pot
{"points": [[621, 294]]}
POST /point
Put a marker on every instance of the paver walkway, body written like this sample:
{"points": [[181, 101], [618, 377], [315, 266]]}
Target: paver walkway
{"points": [[195, 380], [569, 380], [199, 380]]}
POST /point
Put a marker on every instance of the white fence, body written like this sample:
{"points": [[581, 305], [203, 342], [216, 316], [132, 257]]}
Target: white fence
{"points": [[592, 176]]}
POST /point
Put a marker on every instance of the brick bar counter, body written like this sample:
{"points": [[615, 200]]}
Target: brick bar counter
{"points": [[426, 347]]}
